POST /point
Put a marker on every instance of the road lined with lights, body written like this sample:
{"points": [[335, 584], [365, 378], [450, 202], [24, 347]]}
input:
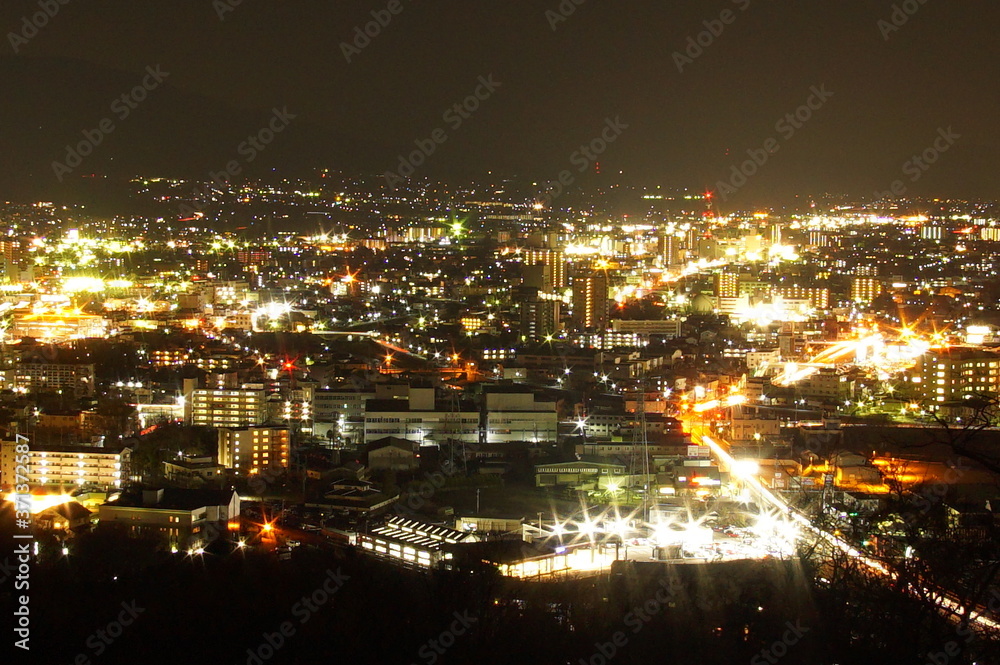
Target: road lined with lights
{"points": [[946, 599], [872, 349]]}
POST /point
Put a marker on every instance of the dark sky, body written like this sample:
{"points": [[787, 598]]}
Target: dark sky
{"points": [[608, 59]]}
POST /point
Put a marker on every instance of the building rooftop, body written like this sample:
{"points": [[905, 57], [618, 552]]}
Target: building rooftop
{"points": [[172, 498]]}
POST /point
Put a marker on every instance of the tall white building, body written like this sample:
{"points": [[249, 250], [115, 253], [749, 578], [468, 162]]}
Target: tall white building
{"points": [[341, 410], [518, 416], [414, 414]]}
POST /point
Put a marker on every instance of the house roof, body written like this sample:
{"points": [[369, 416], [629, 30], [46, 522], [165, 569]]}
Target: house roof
{"points": [[356, 496], [71, 510], [176, 499], [391, 441], [191, 466], [421, 534]]}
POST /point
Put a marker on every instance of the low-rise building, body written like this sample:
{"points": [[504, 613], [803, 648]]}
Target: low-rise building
{"points": [[357, 498], [73, 379], [517, 415], [66, 518], [193, 471], [420, 418], [412, 543], [576, 474], [392, 454], [183, 518]]}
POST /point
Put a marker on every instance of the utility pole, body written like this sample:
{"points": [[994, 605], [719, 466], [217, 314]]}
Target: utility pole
{"points": [[640, 446]]}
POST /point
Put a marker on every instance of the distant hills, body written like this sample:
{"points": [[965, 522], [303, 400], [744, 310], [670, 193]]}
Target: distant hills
{"points": [[49, 104]]}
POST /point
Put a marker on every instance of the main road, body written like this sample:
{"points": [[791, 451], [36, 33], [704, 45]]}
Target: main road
{"points": [[947, 600]]}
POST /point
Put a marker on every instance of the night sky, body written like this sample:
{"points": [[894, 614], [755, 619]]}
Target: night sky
{"points": [[558, 87]]}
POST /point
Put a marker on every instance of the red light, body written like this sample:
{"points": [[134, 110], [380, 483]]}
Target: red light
{"points": [[709, 195]]}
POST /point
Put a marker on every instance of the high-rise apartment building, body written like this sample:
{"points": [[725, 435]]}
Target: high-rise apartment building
{"points": [[955, 373], [865, 289], [552, 263], [590, 300], [727, 285], [250, 450], [62, 465], [228, 408]]}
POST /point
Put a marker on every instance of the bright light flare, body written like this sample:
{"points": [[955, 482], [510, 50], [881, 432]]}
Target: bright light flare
{"points": [[744, 468], [40, 502]]}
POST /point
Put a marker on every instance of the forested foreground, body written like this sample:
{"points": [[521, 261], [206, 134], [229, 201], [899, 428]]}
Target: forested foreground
{"points": [[117, 600]]}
